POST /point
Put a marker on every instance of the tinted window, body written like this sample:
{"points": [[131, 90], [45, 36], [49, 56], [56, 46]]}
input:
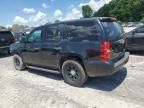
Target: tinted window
{"points": [[140, 30], [6, 35], [35, 36], [83, 31], [52, 34], [113, 30]]}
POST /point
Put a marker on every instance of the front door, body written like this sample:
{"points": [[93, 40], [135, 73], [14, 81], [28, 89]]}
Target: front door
{"points": [[139, 38], [32, 53]]}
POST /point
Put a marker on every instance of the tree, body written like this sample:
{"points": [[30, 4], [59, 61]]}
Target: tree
{"points": [[18, 28], [57, 21], [142, 20], [123, 10], [2, 28], [87, 11]]}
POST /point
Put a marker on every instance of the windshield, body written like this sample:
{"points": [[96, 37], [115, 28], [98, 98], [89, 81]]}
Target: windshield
{"points": [[113, 30]]}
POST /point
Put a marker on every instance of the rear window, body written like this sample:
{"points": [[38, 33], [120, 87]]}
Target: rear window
{"points": [[113, 30], [6, 35], [83, 31]]}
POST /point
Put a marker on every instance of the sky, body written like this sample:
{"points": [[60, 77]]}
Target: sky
{"points": [[38, 12]]}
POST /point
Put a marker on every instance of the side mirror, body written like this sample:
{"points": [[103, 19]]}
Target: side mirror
{"points": [[22, 39]]}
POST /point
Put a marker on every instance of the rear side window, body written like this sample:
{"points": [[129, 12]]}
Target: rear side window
{"points": [[83, 31], [113, 30], [6, 35], [52, 34], [140, 30]]}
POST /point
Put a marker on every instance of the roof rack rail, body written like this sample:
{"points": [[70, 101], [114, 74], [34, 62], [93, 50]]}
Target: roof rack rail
{"points": [[107, 19]]}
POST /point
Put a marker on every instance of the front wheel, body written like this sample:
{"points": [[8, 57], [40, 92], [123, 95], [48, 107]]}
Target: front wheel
{"points": [[18, 63], [73, 73]]}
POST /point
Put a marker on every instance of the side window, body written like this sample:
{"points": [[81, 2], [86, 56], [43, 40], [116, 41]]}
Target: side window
{"points": [[35, 36], [83, 31], [52, 34], [140, 30]]}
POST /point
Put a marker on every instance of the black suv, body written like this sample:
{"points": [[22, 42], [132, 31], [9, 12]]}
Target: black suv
{"points": [[78, 49], [6, 39]]}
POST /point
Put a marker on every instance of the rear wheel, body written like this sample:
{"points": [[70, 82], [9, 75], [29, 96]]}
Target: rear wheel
{"points": [[73, 73], [18, 62]]}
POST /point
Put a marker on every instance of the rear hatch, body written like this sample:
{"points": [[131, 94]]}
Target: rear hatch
{"points": [[114, 34], [6, 38]]}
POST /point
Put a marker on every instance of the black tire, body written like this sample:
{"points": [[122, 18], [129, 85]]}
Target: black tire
{"points": [[18, 63], [73, 73]]}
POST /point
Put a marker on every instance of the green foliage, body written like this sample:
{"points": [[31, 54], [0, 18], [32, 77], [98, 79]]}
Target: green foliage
{"points": [[142, 20], [123, 10], [87, 11], [57, 21]]}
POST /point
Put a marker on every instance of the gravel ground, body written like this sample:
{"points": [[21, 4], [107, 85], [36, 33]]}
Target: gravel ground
{"points": [[35, 89]]}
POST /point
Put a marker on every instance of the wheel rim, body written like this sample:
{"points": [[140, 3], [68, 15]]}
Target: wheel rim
{"points": [[72, 72], [17, 62]]}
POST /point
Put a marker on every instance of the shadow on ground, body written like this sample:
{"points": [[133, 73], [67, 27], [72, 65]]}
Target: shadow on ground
{"points": [[108, 83], [139, 53], [46, 74]]}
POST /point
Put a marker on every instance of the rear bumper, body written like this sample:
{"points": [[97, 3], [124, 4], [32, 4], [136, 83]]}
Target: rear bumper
{"points": [[99, 68]]}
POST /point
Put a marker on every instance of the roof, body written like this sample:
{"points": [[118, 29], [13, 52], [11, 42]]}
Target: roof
{"points": [[82, 19], [4, 31]]}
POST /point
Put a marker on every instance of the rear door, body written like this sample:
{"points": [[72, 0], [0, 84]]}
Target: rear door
{"points": [[114, 34], [82, 38], [6, 38], [51, 47], [138, 38]]}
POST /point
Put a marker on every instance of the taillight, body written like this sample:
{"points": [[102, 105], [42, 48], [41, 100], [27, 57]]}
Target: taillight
{"points": [[14, 39], [105, 51]]}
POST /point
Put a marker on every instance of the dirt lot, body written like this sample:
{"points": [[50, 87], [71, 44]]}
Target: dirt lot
{"points": [[35, 89]]}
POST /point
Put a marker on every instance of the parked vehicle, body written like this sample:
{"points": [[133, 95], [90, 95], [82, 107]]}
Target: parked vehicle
{"points": [[135, 39], [6, 39], [132, 24], [19, 35], [78, 49]]}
